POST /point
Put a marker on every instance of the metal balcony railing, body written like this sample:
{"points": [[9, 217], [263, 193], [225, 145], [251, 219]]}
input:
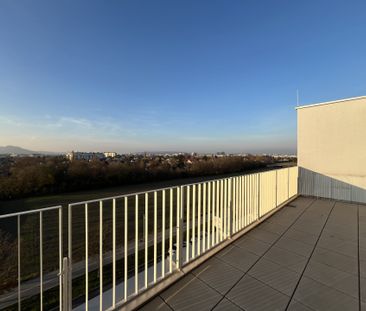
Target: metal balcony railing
{"points": [[120, 247]]}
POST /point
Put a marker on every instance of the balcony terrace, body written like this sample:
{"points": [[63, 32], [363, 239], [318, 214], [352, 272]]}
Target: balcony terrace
{"points": [[310, 255]]}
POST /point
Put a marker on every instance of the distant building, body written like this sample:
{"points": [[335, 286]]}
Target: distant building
{"points": [[84, 155], [110, 154]]}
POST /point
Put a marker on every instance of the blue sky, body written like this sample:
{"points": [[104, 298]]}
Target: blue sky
{"points": [[173, 75]]}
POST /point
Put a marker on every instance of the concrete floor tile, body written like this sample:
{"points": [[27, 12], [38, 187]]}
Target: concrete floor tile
{"points": [[363, 268], [307, 238], [190, 293], [297, 306], [226, 305], [263, 235], [251, 294], [363, 251], [336, 260], [254, 246], [157, 304], [218, 274], [347, 248], [332, 277], [275, 276], [283, 257], [273, 227], [238, 257], [295, 246], [347, 237], [363, 289], [321, 297]]}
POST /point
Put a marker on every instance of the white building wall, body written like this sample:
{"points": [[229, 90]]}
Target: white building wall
{"points": [[332, 150]]}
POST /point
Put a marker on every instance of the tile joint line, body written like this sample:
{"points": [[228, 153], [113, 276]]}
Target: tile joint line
{"points": [[260, 257], [311, 254]]}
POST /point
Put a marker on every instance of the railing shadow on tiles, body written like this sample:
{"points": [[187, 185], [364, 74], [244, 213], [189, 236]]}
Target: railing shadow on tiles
{"points": [[103, 253]]}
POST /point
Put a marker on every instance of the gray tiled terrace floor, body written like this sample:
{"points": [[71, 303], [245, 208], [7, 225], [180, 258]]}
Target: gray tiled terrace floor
{"points": [[311, 255]]}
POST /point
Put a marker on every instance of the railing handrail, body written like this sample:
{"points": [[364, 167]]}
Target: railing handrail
{"points": [[171, 187], [33, 211]]}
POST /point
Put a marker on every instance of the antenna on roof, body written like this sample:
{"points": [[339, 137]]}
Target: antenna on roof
{"points": [[297, 98]]}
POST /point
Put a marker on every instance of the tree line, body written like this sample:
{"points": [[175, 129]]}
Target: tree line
{"points": [[27, 176]]}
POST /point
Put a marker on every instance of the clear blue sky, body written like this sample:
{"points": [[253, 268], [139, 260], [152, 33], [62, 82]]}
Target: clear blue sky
{"points": [[172, 75]]}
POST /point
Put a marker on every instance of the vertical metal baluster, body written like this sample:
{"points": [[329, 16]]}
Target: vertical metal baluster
{"points": [[136, 244], [209, 216], [236, 204], [204, 217], [86, 257], [233, 193], [171, 232], [155, 234], [229, 214], [253, 193], [242, 206], [163, 237], [146, 237], [179, 229], [249, 196], [240, 186], [69, 246], [41, 259], [199, 222], [213, 233], [246, 200], [259, 196], [277, 189], [240, 198], [19, 275], [288, 183], [188, 199], [225, 209], [221, 209], [100, 255], [252, 202], [114, 253], [217, 210], [126, 250], [60, 254], [194, 222]]}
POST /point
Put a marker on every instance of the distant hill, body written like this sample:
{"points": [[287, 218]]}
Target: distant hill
{"points": [[19, 150]]}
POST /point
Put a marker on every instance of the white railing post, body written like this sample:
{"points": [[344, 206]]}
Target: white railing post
{"points": [[19, 261], [288, 183], [66, 281], [259, 196], [276, 189], [230, 215], [68, 275], [179, 251]]}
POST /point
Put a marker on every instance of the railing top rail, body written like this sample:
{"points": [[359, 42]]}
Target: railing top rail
{"points": [[168, 188], [31, 211]]}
